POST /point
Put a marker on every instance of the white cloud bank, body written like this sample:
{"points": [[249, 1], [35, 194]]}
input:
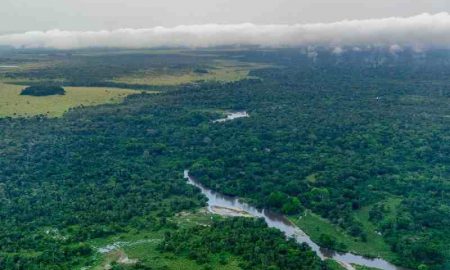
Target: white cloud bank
{"points": [[417, 32]]}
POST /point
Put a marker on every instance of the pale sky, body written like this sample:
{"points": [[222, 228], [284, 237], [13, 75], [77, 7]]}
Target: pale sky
{"points": [[25, 15]]}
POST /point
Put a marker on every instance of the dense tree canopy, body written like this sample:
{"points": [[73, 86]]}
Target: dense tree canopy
{"points": [[259, 246], [43, 90], [332, 135]]}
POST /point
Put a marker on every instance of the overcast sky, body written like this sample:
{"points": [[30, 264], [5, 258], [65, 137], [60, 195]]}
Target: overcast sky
{"points": [[26, 15], [337, 24]]}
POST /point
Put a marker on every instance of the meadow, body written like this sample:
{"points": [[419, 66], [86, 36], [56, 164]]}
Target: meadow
{"points": [[375, 246], [13, 104], [217, 71]]}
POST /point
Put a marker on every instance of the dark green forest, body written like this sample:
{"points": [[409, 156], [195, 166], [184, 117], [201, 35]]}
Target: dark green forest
{"points": [[259, 246], [330, 135], [43, 90]]}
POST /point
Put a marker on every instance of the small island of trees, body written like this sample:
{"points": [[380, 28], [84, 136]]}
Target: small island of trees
{"points": [[43, 90]]}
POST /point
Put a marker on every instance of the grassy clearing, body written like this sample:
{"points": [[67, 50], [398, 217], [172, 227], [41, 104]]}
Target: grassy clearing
{"points": [[14, 105], [149, 255], [362, 215], [223, 71], [143, 247], [375, 246], [200, 217]]}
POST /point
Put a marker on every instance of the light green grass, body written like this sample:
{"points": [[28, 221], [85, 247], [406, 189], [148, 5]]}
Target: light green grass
{"points": [[149, 255], [222, 71], [362, 215], [14, 105], [311, 178], [143, 246], [375, 246], [188, 219]]}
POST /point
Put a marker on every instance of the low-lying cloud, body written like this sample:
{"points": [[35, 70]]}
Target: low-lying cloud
{"points": [[418, 32]]}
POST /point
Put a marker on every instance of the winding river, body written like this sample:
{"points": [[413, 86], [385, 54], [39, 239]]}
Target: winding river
{"points": [[280, 222]]}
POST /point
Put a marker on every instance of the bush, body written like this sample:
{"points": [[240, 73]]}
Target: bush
{"points": [[327, 241]]}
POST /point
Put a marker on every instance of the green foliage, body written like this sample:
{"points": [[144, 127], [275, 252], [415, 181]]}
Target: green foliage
{"points": [[259, 247], [43, 90], [335, 136], [327, 241], [291, 206], [334, 265], [360, 149]]}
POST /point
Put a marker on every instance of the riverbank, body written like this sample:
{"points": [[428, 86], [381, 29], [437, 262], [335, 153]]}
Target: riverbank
{"points": [[229, 211], [290, 229], [315, 226], [141, 248]]}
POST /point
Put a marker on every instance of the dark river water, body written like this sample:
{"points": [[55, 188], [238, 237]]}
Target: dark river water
{"points": [[288, 228]]}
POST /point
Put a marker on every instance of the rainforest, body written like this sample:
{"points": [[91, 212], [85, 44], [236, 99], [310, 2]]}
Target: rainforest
{"points": [[351, 148]]}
